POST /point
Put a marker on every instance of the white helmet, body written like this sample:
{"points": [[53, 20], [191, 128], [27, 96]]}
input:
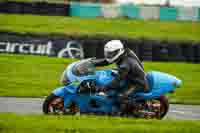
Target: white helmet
{"points": [[113, 50]]}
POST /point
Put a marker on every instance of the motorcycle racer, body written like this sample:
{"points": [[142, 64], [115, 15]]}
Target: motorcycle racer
{"points": [[129, 67]]}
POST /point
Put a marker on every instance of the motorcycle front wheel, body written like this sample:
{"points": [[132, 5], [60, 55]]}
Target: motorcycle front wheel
{"points": [[55, 105]]}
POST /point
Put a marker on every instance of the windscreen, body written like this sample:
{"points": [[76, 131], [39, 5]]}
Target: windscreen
{"points": [[84, 68]]}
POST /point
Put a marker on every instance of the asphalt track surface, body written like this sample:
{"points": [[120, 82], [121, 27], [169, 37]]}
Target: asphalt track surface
{"points": [[34, 106]]}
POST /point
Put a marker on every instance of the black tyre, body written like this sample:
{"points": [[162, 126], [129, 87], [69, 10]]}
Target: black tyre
{"points": [[53, 105], [164, 106], [155, 108]]}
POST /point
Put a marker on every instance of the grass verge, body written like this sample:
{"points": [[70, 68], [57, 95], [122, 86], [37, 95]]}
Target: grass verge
{"points": [[115, 27], [35, 76], [10, 123]]}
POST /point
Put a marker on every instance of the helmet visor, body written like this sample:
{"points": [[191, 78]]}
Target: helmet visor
{"points": [[111, 55]]}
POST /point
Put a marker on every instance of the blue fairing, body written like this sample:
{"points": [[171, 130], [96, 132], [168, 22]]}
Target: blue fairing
{"points": [[104, 77], [160, 84], [83, 100], [61, 91], [67, 93]]}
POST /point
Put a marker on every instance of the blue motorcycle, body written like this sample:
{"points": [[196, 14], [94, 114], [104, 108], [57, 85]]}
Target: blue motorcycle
{"points": [[80, 95]]}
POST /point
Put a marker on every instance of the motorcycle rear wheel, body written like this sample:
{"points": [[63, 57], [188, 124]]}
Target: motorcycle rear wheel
{"points": [[164, 106], [159, 105]]}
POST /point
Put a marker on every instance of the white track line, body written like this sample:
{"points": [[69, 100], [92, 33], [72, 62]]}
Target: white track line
{"points": [[175, 111]]}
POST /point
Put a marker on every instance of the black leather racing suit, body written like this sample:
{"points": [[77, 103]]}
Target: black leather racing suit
{"points": [[130, 68]]}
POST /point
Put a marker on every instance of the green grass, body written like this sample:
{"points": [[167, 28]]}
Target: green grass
{"points": [[114, 27], [35, 76], [29, 75], [12, 123]]}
